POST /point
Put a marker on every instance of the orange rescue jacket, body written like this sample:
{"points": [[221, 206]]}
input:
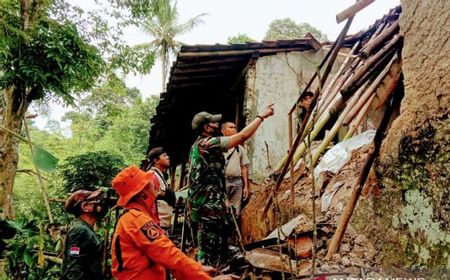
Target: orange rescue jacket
{"points": [[140, 250]]}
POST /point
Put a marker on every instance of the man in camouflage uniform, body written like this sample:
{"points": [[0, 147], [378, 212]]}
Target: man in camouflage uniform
{"points": [[206, 202]]}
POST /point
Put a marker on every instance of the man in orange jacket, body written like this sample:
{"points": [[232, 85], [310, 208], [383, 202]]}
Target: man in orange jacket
{"points": [[140, 250]]}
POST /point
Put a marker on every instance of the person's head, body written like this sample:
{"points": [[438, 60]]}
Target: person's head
{"points": [[305, 99], [90, 203], [205, 123], [133, 184], [229, 129], [158, 158]]}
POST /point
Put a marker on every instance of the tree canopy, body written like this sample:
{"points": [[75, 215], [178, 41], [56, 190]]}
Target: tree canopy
{"points": [[287, 29], [240, 38], [163, 26]]}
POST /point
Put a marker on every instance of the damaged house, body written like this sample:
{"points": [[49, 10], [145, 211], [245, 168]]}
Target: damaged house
{"points": [[309, 174], [238, 81]]}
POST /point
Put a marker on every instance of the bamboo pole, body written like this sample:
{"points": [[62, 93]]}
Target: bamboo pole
{"points": [[333, 108], [357, 188], [291, 167], [337, 125], [355, 65], [371, 90], [358, 119], [351, 83], [352, 10], [302, 132], [336, 76], [294, 106], [381, 38], [41, 181]]}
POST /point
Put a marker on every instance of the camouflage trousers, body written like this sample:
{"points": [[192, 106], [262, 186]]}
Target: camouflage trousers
{"points": [[212, 237]]}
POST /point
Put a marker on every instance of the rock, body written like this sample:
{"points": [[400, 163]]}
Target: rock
{"points": [[352, 271], [336, 257], [346, 261], [345, 248], [362, 240], [358, 251], [370, 252], [358, 262]]}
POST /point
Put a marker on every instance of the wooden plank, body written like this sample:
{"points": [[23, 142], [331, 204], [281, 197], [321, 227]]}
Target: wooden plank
{"points": [[209, 62], [352, 10], [234, 52], [204, 69]]}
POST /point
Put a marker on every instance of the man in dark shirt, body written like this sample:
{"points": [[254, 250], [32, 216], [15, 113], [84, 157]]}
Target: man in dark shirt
{"points": [[207, 203], [82, 250]]}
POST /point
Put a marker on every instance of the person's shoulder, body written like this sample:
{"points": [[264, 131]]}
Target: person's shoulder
{"points": [[79, 227], [138, 218]]}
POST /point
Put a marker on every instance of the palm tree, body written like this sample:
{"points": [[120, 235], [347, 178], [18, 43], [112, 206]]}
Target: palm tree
{"points": [[163, 26]]}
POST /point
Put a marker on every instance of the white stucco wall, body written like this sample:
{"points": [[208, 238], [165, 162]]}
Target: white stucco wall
{"points": [[276, 79]]}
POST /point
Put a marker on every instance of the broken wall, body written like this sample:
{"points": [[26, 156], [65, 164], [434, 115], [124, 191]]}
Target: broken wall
{"points": [[410, 221], [276, 79]]}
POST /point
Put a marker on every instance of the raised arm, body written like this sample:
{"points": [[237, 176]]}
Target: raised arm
{"points": [[250, 129]]}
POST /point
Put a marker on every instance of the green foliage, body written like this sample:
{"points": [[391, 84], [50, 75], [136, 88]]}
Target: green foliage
{"points": [[287, 29], [241, 38], [23, 252], [90, 170], [163, 26], [49, 56]]}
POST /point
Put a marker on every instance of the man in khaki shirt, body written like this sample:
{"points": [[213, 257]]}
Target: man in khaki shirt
{"points": [[236, 170], [159, 162]]}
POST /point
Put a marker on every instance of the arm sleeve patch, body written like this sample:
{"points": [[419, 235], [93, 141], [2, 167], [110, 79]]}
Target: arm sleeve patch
{"points": [[151, 230]]}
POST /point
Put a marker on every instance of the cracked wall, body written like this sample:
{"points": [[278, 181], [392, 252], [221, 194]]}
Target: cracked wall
{"points": [[414, 163], [276, 79]]}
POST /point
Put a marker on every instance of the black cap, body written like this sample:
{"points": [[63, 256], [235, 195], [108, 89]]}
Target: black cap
{"points": [[155, 153]]}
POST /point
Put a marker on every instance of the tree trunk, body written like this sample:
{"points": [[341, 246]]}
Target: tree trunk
{"points": [[13, 113], [165, 60]]}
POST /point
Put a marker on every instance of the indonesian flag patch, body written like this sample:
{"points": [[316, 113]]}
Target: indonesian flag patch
{"points": [[74, 251]]}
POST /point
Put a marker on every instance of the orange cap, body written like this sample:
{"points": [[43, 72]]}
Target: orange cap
{"points": [[131, 181]]}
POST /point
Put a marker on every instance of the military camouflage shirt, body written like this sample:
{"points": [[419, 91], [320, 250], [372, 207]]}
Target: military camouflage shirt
{"points": [[206, 197]]}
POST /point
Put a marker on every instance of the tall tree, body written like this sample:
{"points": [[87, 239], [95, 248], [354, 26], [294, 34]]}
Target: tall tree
{"points": [[164, 27], [39, 56], [287, 29]]}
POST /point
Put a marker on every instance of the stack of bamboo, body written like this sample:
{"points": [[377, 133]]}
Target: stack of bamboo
{"points": [[353, 89]]}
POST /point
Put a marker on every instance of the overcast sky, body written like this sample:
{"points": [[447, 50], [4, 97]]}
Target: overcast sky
{"points": [[227, 18], [230, 17]]}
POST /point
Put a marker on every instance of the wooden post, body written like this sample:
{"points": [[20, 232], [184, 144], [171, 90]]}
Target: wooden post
{"points": [[182, 176], [291, 165], [352, 10]]}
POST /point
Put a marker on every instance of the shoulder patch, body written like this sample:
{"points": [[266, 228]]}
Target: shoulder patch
{"points": [[151, 230], [74, 251]]}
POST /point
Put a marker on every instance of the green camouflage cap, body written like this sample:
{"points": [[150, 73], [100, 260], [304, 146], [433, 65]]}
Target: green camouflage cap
{"points": [[204, 118]]}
